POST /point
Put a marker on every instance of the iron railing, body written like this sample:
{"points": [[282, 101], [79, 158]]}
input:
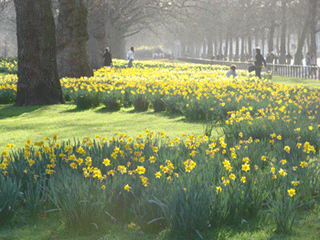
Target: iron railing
{"points": [[297, 71]]}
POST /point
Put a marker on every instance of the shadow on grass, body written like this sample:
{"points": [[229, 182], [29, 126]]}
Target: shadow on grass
{"points": [[104, 109], [74, 110], [8, 111]]}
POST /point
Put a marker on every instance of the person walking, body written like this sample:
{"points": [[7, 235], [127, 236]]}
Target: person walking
{"points": [[107, 58], [130, 56], [308, 63], [259, 59]]}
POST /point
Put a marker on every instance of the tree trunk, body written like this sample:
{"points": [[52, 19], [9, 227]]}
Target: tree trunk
{"points": [[250, 46], [72, 37], [97, 43], [38, 81], [271, 35], [226, 48], [282, 57], [289, 42], [210, 46], [231, 50], [115, 41], [237, 49], [263, 39], [242, 57], [220, 45], [298, 56], [313, 23], [204, 49]]}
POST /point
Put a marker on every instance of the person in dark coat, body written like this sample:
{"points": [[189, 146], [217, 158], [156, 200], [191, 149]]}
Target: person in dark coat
{"points": [[107, 58], [258, 62]]}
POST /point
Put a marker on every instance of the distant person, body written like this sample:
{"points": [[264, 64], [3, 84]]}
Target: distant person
{"points": [[232, 71], [107, 58], [289, 58], [269, 60], [130, 56], [308, 63], [259, 59]]}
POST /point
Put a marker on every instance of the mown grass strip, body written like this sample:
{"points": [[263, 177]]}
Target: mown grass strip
{"points": [[18, 124]]}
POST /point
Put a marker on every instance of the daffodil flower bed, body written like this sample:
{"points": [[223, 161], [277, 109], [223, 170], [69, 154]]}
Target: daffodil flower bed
{"points": [[156, 181], [265, 163], [8, 65]]}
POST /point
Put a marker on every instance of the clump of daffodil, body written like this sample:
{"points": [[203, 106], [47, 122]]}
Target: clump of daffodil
{"points": [[189, 165]]}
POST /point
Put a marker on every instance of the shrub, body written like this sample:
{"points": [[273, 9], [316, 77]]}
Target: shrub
{"points": [[86, 100], [111, 103], [7, 96], [158, 105], [140, 102]]}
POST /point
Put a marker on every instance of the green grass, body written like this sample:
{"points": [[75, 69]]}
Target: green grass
{"points": [[2, 74], [52, 228], [291, 80], [306, 227], [19, 124]]}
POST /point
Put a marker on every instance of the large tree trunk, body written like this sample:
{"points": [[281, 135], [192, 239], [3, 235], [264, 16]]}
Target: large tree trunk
{"points": [[72, 37], [96, 44], [116, 41], [38, 81]]}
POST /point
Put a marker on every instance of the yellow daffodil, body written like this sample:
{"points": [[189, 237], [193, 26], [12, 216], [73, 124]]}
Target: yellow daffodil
{"points": [[291, 192]]}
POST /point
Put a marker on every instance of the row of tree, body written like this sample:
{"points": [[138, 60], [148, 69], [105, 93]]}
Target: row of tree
{"points": [[220, 25]]}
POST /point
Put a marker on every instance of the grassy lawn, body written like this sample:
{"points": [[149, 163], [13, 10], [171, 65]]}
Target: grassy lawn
{"points": [[290, 80], [306, 227], [18, 124]]}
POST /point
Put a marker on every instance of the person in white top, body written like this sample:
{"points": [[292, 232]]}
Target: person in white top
{"points": [[130, 56], [232, 71]]}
